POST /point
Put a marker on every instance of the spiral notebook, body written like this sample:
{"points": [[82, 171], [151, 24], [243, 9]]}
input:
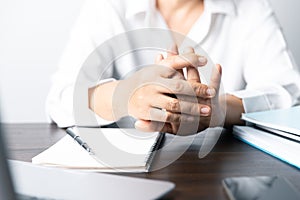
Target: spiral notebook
{"points": [[105, 150]]}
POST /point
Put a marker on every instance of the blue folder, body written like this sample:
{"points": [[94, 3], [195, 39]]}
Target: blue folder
{"points": [[287, 120]]}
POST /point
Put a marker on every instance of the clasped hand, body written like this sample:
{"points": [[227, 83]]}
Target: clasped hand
{"points": [[162, 99]]}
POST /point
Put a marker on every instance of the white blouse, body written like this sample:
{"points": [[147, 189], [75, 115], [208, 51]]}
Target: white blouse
{"points": [[242, 35]]}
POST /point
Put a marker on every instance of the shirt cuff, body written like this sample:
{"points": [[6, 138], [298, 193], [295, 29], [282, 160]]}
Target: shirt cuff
{"points": [[265, 98]]}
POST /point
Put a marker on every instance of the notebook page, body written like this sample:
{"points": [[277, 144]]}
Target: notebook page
{"points": [[67, 153], [119, 148]]}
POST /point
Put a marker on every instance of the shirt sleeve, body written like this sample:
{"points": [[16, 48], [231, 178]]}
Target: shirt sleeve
{"points": [[272, 80], [90, 30]]}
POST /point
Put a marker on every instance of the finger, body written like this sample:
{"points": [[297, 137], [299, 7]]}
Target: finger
{"points": [[160, 115], [216, 76], [192, 73], [205, 101], [186, 60], [171, 86], [153, 126], [149, 126], [173, 128], [157, 70], [178, 106], [170, 128], [159, 58], [166, 72], [174, 51]]}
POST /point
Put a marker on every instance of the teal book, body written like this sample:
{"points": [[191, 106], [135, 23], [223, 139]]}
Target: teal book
{"points": [[286, 120], [282, 148]]}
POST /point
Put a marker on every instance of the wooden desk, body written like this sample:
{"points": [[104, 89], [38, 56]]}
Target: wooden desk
{"points": [[194, 178]]}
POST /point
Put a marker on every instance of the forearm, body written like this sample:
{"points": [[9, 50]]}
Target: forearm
{"points": [[101, 98], [234, 110]]}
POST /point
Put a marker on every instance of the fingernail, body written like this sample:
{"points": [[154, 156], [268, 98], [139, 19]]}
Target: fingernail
{"points": [[205, 110], [202, 60], [211, 92]]}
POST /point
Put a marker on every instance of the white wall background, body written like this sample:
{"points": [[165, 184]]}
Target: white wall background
{"points": [[33, 34], [288, 14]]}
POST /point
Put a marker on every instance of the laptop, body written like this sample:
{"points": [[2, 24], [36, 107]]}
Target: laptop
{"points": [[25, 181], [7, 189]]}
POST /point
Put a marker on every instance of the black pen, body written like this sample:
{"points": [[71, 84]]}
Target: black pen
{"points": [[79, 140]]}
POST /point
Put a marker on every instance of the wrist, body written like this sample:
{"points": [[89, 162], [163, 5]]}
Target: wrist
{"points": [[233, 108], [100, 100]]}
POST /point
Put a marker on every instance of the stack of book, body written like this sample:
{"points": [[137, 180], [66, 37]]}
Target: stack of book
{"points": [[276, 132]]}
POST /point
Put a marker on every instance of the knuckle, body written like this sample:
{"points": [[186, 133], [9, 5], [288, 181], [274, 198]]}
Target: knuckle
{"points": [[198, 90], [167, 71], [178, 86], [173, 105], [195, 88], [178, 75], [171, 73], [201, 90]]}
